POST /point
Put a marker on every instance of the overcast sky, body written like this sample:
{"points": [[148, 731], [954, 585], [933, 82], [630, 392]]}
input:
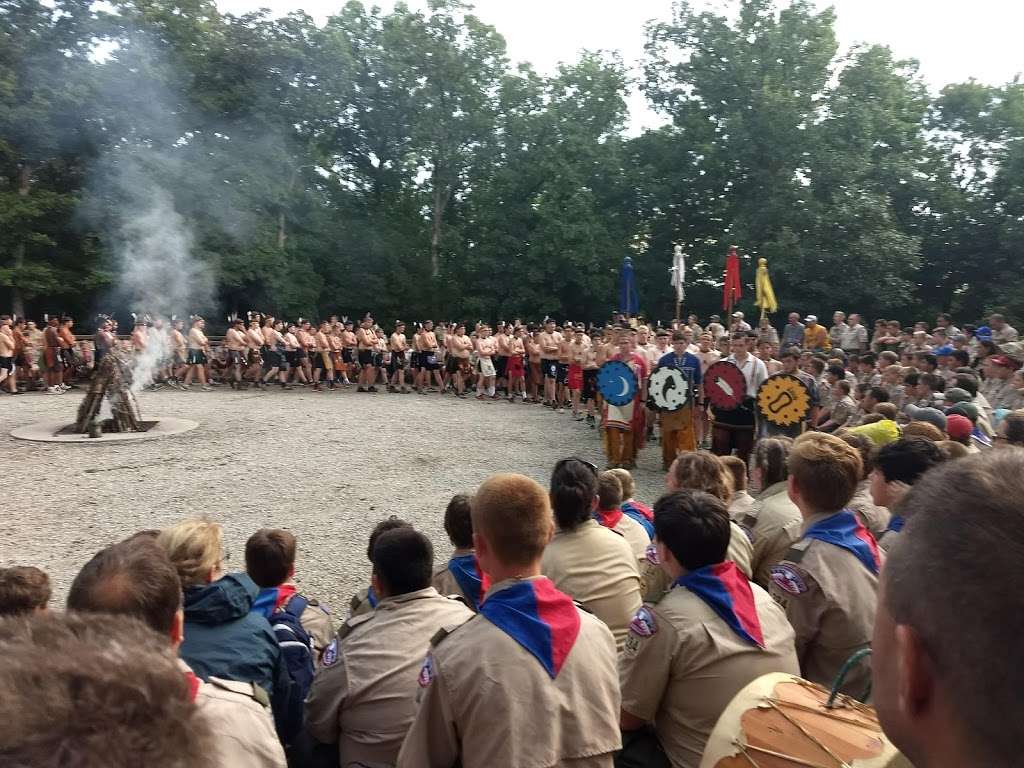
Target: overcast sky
{"points": [[953, 39]]}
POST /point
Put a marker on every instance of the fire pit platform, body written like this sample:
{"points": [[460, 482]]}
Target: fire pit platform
{"points": [[59, 431]]}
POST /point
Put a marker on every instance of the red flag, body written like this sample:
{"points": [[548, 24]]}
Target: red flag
{"points": [[732, 291]]}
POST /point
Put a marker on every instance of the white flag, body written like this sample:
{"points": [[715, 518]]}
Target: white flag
{"points": [[678, 271]]}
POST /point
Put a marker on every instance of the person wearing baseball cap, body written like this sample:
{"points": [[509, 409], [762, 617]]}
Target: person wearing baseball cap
{"points": [[998, 386], [816, 338], [960, 430], [929, 415]]}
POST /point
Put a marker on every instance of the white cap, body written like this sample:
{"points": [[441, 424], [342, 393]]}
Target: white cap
{"points": [[811, 319]]}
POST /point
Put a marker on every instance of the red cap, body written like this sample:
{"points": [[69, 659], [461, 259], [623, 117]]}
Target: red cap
{"points": [[958, 427]]}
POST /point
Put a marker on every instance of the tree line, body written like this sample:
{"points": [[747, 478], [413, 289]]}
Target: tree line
{"points": [[400, 162]]}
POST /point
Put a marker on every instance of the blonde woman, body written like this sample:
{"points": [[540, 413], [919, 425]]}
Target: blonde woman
{"points": [[222, 637]]}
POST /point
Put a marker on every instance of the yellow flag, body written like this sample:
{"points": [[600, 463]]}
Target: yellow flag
{"points": [[765, 293]]}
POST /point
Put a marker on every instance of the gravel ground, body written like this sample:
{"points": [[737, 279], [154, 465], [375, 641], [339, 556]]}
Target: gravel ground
{"points": [[326, 466]]}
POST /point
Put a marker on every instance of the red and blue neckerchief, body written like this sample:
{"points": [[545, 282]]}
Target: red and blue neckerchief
{"points": [[896, 523], [371, 598], [843, 529], [727, 592], [544, 621], [271, 599], [632, 513], [638, 508], [467, 574], [608, 518]]}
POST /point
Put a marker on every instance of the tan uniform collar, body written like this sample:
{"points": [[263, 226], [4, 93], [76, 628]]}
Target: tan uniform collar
{"points": [[406, 597], [508, 583], [774, 489], [460, 551], [588, 523]]}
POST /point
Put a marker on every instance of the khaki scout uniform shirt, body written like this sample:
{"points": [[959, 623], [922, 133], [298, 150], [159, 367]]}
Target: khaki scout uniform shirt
{"points": [[596, 566], [655, 581], [444, 582], [774, 526], [363, 698], [635, 535], [683, 664], [875, 518], [240, 720], [488, 702], [830, 599]]}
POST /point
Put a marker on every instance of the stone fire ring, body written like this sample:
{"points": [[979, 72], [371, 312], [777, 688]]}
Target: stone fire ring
{"points": [[50, 431]]}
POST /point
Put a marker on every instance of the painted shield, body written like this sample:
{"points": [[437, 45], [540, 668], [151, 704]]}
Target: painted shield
{"points": [[668, 390], [783, 400], [616, 382], [725, 386]]}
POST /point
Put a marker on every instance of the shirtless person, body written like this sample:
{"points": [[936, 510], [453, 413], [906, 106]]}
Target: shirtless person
{"points": [[577, 359], [198, 350], [348, 351], [140, 337], [255, 341], [179, 353], [561, 391], [322, 356], [708, 356], [533, 360], [590, 367], [67, 351], [398, 346], [486, 348], [307, 349], [515, 370], [428, 349], [8, 376], [272, 357], [504, 351], [52, 362], [236, 345], [460, 347], [548, 340], [295, 352], [366, 346]]}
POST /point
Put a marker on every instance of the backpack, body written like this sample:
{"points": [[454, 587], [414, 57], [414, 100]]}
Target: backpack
{"points": [[296, 644]]}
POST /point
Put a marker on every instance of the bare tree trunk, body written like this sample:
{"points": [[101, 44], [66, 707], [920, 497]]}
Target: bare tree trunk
{"points": [[281, 234], [435, 237], [17, 300]]}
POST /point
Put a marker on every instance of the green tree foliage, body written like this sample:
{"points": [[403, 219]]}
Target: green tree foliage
{"points": [[399, 162]]}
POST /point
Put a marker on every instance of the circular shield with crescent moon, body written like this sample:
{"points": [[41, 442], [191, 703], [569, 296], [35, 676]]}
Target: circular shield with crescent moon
{"points": [[725, 386], [783, 400], [668, 390], [616, 382]]}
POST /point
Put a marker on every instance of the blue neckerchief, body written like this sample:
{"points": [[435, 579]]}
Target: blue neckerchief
{"points": [[467, 576], [896, 523], [370, 597], [843, 529]]}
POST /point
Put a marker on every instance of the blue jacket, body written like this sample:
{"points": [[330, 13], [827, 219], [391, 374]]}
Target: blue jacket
{"points": [[224, 639]]}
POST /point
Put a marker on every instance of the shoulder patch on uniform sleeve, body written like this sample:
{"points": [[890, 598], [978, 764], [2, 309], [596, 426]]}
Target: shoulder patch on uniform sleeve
{"points": [[651, 553], [643, 624], [330, 654], [788, 579], [426, 676]]}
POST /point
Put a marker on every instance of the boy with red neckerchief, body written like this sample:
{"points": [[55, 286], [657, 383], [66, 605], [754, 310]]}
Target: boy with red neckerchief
{"points": [[530, 661]]}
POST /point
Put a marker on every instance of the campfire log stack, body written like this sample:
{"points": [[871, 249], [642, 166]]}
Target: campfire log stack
{"points": [[111, 379]]}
